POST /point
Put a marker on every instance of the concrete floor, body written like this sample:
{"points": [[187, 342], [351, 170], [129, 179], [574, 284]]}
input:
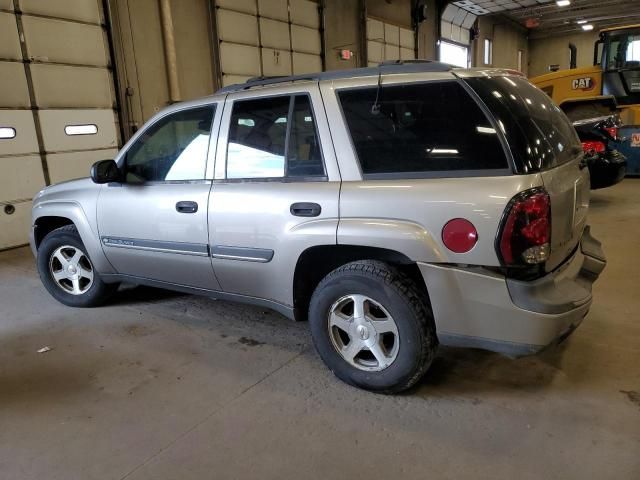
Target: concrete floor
{"points": [[167, 386]]}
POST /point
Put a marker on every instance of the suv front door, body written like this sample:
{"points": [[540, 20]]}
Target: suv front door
{"points": [[275, 191], [153, 225]]}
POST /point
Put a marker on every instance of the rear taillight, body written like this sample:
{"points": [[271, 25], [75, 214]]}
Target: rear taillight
{"points": [[591, 147], [613, 132], [525, 235]]}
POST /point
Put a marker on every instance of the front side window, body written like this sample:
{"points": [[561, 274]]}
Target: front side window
{"points": [[420, 128], [175, 148], [274, 137]]}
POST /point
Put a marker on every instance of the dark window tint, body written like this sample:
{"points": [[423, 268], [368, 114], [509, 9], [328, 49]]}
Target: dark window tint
{"points": [[258, 135], [418, 128], [174, 148], [539, 135], [303, 155]]}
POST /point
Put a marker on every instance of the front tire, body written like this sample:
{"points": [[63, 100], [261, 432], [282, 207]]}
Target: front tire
{"points": [[373, 327], [66, 270]]}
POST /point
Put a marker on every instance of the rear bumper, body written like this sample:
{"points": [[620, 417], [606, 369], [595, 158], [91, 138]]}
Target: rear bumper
{"points": [[481, 309]]}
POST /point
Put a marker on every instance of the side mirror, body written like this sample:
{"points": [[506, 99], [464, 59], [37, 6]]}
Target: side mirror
{"points": [[105, 171]]}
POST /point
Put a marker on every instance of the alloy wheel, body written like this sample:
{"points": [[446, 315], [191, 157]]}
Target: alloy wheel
{"points": [[363, 332], [71, 270]]}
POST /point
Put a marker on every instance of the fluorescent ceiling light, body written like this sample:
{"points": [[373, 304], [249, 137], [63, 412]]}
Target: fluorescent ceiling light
{"points": [[581, 22], [587, 27], [563, 3], [89, 129], [7, 132], [443, 151]]}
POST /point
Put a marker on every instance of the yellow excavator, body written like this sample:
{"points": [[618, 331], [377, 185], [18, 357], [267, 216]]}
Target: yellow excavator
{"points": [[612, 84]]}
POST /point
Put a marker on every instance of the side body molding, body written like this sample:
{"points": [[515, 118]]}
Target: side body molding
{"points": [[408, 238], [87, 229]]}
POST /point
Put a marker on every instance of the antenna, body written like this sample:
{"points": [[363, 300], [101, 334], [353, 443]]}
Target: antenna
{"points": [[375, 108]]}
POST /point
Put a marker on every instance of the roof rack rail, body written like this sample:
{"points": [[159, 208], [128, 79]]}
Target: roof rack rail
{"points": [[386, 67], [261, 78]]}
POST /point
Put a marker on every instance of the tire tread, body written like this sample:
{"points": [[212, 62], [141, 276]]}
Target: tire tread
{"points": [[416, 298]]}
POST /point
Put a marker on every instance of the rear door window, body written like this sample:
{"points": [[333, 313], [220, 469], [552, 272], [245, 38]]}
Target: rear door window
{"points": [[274, 137], [539, 134], [421, 129]]}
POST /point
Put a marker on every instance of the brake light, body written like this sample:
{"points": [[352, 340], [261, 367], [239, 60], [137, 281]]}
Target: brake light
{"points": [[592, 146], [613, 132], [526, 229]]}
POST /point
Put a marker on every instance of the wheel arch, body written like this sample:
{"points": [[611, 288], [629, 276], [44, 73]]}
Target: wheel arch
{"points": [[52, 215], [316, 262], [47, 224]]}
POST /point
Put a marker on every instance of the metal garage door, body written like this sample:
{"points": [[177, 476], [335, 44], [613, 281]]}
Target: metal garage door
{"points": [[388, 42], [56, 101], [268, 37]]}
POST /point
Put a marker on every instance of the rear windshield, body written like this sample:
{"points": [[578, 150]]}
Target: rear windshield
{"points": [[421, 129], [539, 135]]}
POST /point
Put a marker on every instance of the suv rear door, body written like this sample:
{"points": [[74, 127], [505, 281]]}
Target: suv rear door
{"points": [[542, 140], [275, 191]]}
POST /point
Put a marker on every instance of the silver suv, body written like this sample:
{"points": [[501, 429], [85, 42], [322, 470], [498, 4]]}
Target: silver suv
{"points": [[396, 208]]}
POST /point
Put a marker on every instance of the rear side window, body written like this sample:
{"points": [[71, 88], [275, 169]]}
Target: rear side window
{"points": [[274, 137], [539, 134], [420, 129]]}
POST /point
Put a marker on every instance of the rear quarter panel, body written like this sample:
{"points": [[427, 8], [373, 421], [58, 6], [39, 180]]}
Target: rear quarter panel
{"points": [[408, 215]]}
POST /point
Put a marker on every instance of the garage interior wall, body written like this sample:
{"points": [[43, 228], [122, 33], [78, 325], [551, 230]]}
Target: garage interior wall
{"points": [[555, 50], [397, 12], [343, 30], [140, 59], [389, 34], [57, 99], [455, 24], [268, 37], [386, 41], [506, 39], [428, 33]]}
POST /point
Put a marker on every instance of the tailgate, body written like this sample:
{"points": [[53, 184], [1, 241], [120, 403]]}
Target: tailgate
{"points": [[568, 188]]}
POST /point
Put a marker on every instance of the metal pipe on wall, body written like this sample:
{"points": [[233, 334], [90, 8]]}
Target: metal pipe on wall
{"points": [[170, 50]]}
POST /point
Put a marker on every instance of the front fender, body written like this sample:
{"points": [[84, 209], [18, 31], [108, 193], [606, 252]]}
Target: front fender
{"points": [[73, 211], [408, 238]]}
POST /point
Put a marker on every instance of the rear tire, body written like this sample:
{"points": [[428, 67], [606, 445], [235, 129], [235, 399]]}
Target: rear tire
{"points": [[66, 270], [373, 327]]}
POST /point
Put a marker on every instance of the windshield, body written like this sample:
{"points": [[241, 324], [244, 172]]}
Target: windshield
{"points": [[624, 51], [539, 135]]}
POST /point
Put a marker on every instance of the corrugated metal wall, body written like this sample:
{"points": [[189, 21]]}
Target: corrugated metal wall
{"points": [[386, 41], [140, 59], [268, 37], [57, 101]]}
